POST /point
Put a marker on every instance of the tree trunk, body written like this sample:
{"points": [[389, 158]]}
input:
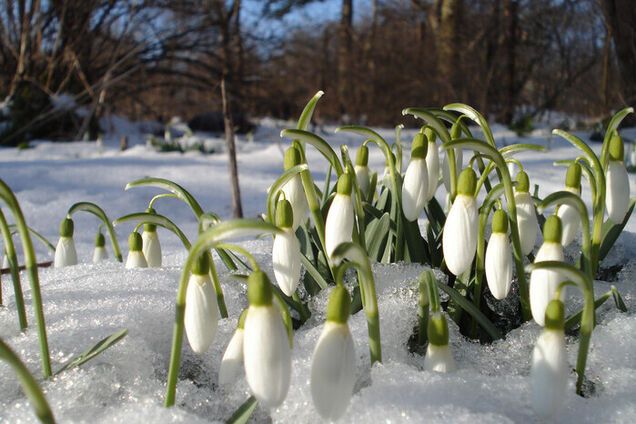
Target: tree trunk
{"points": [[620, 16], [237, 208], [345, 62], [447, 43], [510, 15]]}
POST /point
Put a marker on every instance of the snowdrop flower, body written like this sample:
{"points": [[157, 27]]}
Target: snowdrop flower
{"points": [[549, 372], [362, 169], [459, 240], [432, 164], [339, 223], [65, 254], [232, 362], [499, 257], [99, 254], [526, 214], [570, 219], [201, 311], [459, 159], [439, 357], [544, 283], [333, 364], [415, 186], [136, 258], [286, 250], [293, 189], [617, 182], [266, 350], [151, 245]]}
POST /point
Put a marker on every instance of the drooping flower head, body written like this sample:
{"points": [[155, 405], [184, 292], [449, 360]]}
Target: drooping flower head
{"points": [[151, 244], [432, 163], [201, 312], [439, 357], [527, 221], [293, 189], [415, 186], [570, 219], [286, 250], [340, 218], [498, 262], [617, 181], [362, 169], [136, 258], [232, 362], [99, 254], [65, 253]]}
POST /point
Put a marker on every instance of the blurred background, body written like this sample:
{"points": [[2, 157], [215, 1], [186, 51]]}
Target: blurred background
{"points": [[514, 60]]}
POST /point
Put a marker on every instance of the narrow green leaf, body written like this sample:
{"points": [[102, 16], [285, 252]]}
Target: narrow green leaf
{"points": [[180, 192], [244, 412], [611, 231], [319, 143], [95, 350], [376, 234], [508, 151], [311, 269], [157, 219], [308, 111], [476, 117]]}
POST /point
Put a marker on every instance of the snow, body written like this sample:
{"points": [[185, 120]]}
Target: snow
{"points": [[87, 302]]}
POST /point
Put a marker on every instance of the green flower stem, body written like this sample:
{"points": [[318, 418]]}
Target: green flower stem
{"points": [[12, 257], [156, 219], [358, 257], [571, 199], [172, 187], [584, 283], [99, 213], [32, 270], [422, 313], [398, 147], [29, 385], [151, 204], [499, 161], [208, 239]]}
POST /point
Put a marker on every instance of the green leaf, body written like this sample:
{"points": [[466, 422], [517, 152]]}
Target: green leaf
{"points": [[376, 234], [319, 143], [476, 117], [508, 151], [98, 348], [308, 111], [611, 232], [99, 213], [613, 126], [311, 269], [174, 188], [244, 412], [472, 310]]}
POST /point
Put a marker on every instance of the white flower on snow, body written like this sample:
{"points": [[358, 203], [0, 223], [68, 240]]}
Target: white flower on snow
{"points": [[232, 362], [201, 311], [333, 361], [549, 372], [616, 182], [498, 262], [136, 258], [293, 189], [432, 165], [439, 357], [65, 253], [151, 244], [362, 169], [286, 251], [544, 283], [266, 350], [340, 219], [415, 186], [570, 218], [526, 214], [99, 254], [459, 240]]}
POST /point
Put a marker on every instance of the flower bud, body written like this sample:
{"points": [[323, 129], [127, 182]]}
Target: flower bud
{"points": [[201, 311], [432, 164], [99, 254], [498, 261], [616, 182], [286, 251], [340, 218], [232, 362], [415, 185], [293, 189], [136, 258], [527, 221], [438, 355], [362, 169], [65, 253]]}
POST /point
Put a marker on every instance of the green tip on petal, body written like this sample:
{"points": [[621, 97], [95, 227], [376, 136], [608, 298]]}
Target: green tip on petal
{"points": [[345, 183], [241, 320], [100, 241], [573, 176], [419, 146], [467, 182], [135, 243], [339, 305], [437, 329], [67, 227], [500, 222], [362, 156], [523, 182], [292, 158], [430, 135], [259, 289], [616, 148], [284, 214], [555, 315], [202, 265], [552, 229]]}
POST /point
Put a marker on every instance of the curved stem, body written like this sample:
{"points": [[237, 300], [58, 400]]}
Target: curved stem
{"points": [[99, 213], [152, 202], [180, 192], [156, 219], [12, 257]]}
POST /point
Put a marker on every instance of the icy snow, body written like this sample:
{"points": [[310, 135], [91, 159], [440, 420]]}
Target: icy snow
{"points": [[125, 384]]}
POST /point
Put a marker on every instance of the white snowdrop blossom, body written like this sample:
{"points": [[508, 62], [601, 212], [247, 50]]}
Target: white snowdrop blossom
{"points": [[201, 310], [498, 261], [544, 283], [333, 361], [136, 258], [439, 357], [100, 254], [266, 350], [340, 218], [415, 185], [293, 189], [570, 218], [527, 221], [286, 251], [459, 240], [617, 182], [65, 253], [432, 165], [362, 169], [232, 362], [151, 246]]}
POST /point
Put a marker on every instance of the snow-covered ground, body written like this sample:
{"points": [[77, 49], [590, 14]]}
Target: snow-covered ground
{"points": [[126, 384]]}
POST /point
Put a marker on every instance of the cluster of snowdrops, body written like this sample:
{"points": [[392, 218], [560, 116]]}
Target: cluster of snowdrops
{"points": [[319, 234]]}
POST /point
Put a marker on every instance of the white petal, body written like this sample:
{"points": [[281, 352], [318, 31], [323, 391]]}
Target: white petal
{"points": [[459, 155], [136, 259], [499, 265], [459, 240], [439, 359], [286, 261], [339, 223], [267, 355], [526, 221], [544, 283], [362, 177], [295, 194], [151, 248], [571, 223], [617, 194], [232, 362], [65, 254], [432, 165], [201, 313], [414, 189], [99, 254], [333, 371], [549, 373]]}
